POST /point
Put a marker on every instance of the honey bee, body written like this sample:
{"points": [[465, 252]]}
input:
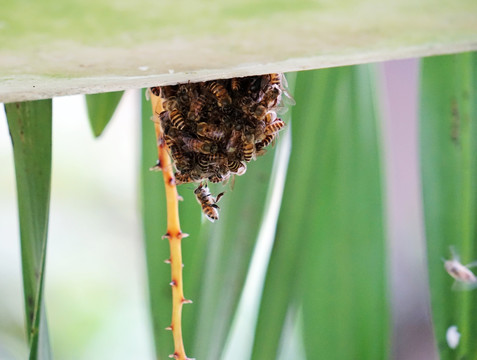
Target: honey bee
{"points": [[280, 81], [275, 79], [170, 142], [156, 90], [210, 131], [203, 164], [167, 92], [177, 120], [164, 119], [185, 92], [274, 127], [235, 84], [270, 117], [234, 141], [237, 167], [201, 146], [196, 107], [265, 142], [220, 93], [247, 150], [259, 111], [208, 202], [465, 278], [219, 177], [170, 104], [271, 97], [183, 178], [217, 158]]}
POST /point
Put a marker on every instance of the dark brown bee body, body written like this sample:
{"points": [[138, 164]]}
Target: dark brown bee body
{"points": [[237, 167], [220, 93], [210, 131], [247, 151], [199, 146], [274, 127], [235, 84], [196, 106], [177, 120], [208, 202]]}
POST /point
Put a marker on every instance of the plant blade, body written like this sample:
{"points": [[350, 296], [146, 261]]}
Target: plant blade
{"points": [[229, 248], [101, 108], [330, 224], [30, 125], [448, 135]]}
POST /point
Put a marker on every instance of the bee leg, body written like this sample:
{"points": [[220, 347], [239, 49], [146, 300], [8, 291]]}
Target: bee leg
{"points": [[219, 196]]}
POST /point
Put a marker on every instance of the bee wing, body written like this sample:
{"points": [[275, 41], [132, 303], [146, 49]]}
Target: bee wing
{"points": [[454, 254], [464, 286], [287, 98]]}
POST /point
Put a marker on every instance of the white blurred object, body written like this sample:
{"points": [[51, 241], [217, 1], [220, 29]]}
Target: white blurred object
{"points": [[452, 337]]}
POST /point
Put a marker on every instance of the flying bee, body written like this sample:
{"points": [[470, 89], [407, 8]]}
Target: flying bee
{"points": [[237, 167], [210, 131], [220, 93], [208, 202], [274, 127], [196, 106], [177, 120], [201, 146], [465, 278]]}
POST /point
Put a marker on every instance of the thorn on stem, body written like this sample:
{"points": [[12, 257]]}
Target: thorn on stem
{"points": [[172, 181], [182, 235], [166, 236], [174, 356], [167, 261], [186, 301], [169, 328], [173, 283], [156, 167], [180, 198]]}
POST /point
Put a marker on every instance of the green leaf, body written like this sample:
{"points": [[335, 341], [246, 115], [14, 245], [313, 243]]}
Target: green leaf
{"points": [[101, 108], [448, 117], [328, 259], [30, 129], [153, 204], [230, 244]]}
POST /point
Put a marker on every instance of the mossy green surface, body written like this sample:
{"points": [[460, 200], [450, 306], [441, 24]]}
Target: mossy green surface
{"points": [[51, 48]]}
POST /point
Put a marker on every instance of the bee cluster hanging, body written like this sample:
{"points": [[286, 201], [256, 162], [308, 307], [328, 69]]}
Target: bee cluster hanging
{"points": [[214, 128]]}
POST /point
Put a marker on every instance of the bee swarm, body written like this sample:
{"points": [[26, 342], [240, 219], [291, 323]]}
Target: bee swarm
{"points": [[214, 128]]}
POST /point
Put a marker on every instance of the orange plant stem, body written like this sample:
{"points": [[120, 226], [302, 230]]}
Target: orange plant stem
{"points": [[174, 233]]}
